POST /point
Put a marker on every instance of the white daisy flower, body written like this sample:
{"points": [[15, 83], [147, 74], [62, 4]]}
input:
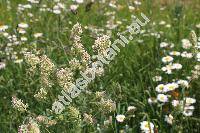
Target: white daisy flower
{"points": [[5, 34], [186, 44], [79, 1], [23, 25], [167, 69], [169, 119], [21, 31], [172, 45], [175, 53], [163, 44], [175, 103], [167, 59], [24, 39], [187, 113], [162, 98], [131, 108], [74, 7], [137, 2], [27, 6], [197, 67], [198, 25], [170, 87], [120, 118], [57, 11], [2, 65], [3, 28], [160, 88], [189, 101], [189, 108], [37, 35], [157, 78], [112, 5], [177, 66], [60, 5], [168, 26], [186, 55], [152, 100], [131, 8], [198, 56], [30, 14], [34, 1], [162, 23], [183, 83], [147, 127]]}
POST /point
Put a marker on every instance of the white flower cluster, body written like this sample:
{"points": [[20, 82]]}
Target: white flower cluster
{"points": [[196, 72], [188, 108], [157, 78], [11, 41], [101, 45], [169, 119], [22, 7], [46, 68], [166, 45], [33, 1], [88, 118], [58, 7], [65, 78], [22, 30], [172, 66], [46, 65], [77, 48], [19, 105], [107, 105], [130, 110], [170, 91], [30, 127], [74, 64], [185, 105], [32, 60], [41, 94], [12, 49]]}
